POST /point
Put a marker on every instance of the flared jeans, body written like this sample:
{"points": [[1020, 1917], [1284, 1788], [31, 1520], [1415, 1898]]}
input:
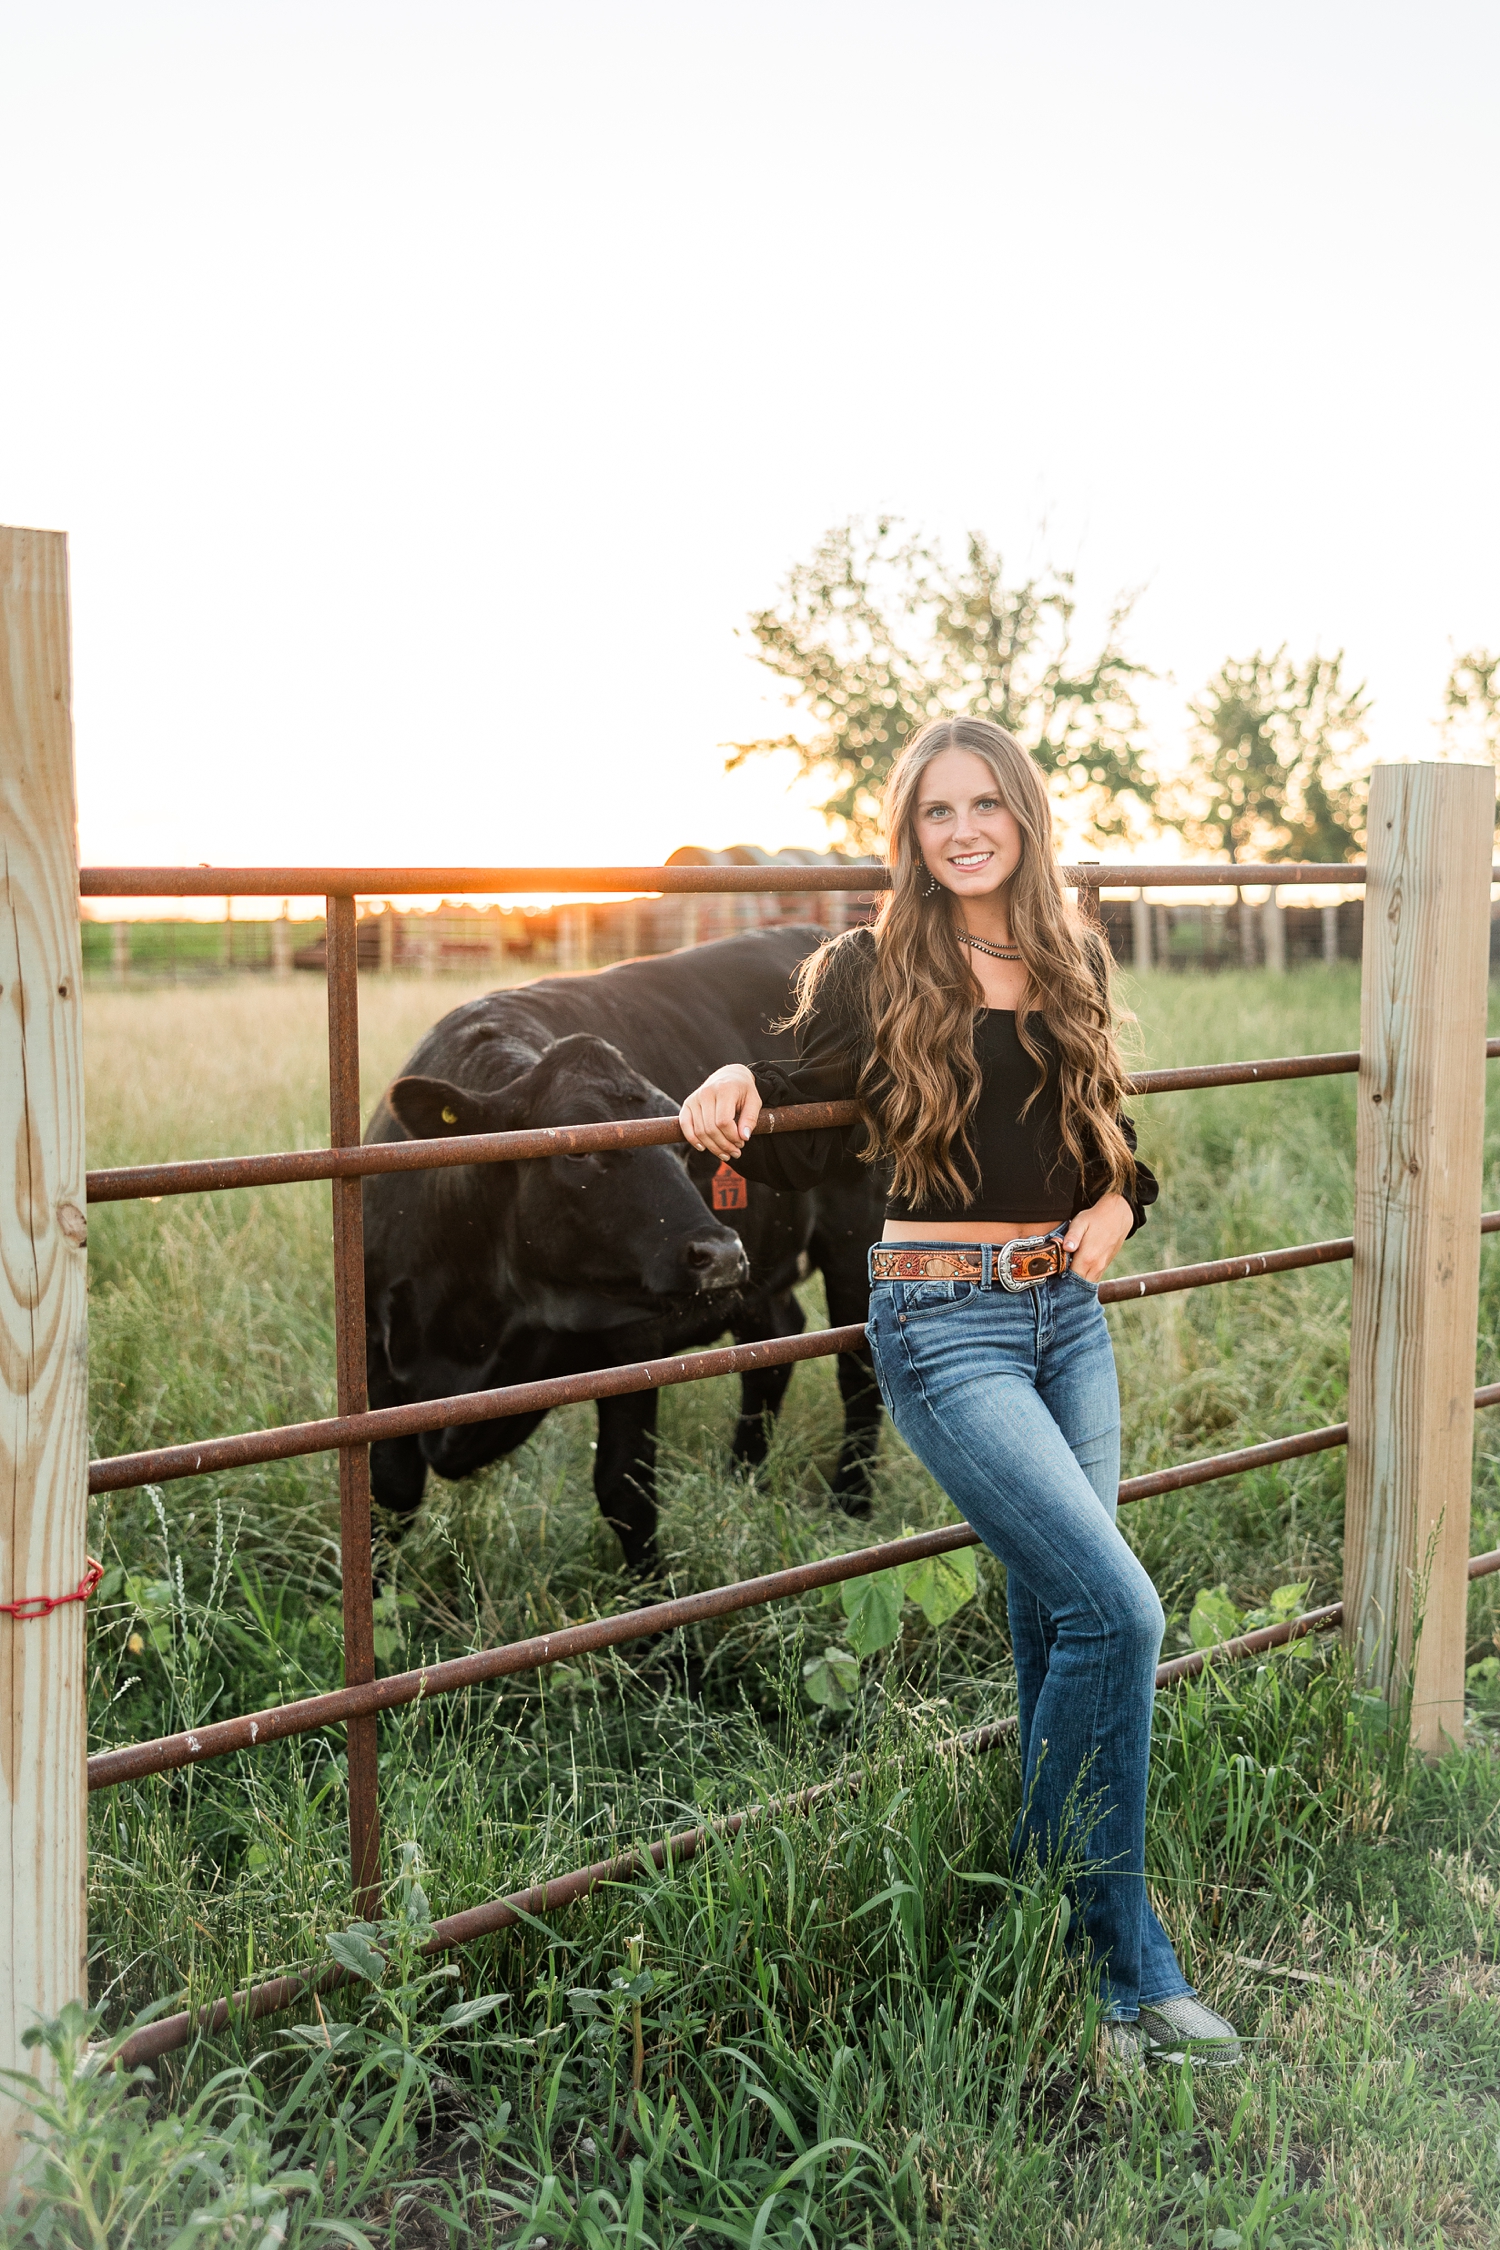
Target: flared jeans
{"points": [[1011, 1401]]}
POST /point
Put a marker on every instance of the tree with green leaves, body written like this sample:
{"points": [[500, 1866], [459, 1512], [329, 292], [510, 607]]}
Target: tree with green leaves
{"points": [[1471, 705], [1274, 769], [878, 633]]}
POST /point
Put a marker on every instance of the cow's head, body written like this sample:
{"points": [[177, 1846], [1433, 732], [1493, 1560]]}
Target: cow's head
{"points": [[588, 1241]]}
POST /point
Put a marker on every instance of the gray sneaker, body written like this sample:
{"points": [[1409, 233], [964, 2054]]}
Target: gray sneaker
{"points": [[1177, 2031]]}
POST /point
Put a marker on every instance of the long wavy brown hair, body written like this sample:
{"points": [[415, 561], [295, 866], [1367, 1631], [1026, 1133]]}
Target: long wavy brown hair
{"points": [[921, 1080]]}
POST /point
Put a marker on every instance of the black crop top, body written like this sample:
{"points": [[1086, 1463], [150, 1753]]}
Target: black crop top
{"points": [[1020, 1170]]}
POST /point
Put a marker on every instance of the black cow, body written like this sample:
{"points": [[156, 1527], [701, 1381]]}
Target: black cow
{"points": [[488, 1274]]}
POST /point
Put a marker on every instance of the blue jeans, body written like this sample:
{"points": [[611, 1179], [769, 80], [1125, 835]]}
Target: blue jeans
{"points": [[1011, 1401]]}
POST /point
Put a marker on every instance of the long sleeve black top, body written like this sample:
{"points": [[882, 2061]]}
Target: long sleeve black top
{"points": [[1020, 1170]]}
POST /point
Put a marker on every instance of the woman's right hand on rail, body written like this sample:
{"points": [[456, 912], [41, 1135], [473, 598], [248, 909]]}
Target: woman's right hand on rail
{"points": [[720, 1116]]}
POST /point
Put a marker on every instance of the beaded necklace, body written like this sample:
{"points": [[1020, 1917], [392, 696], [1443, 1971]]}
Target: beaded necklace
{"points": [[982, 945]]}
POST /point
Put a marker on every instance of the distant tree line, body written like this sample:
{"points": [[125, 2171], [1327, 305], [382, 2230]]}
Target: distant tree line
{"points": [[1471, 704], [878, 632]]}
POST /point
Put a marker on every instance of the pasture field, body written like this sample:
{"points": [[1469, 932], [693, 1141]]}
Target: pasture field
{"points": [[851, 2025]]}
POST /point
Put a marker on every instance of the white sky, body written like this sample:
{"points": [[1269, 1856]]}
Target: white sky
{"points": [[430, 390]]}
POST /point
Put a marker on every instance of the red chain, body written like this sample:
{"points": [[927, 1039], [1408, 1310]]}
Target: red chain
{"points": [[42, 1605]]}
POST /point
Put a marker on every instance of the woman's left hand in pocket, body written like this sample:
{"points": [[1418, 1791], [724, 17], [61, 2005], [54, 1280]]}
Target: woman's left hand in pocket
{"points": [[1094, 1236]]}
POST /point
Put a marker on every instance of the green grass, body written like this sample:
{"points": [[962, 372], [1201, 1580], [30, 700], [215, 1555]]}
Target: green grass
{"points": [[858, 2023], [182, 948]]}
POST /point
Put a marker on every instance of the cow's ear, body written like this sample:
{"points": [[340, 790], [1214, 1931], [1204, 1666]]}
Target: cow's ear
{"points": [[432, 1109]]}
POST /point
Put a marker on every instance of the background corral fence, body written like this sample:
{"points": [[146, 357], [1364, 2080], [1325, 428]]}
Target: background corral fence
{"points": [[494, 942], [461, 939], [1415, 1251]]}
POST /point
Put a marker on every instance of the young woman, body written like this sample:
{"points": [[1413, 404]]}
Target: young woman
{"points": [[973, 1026]]}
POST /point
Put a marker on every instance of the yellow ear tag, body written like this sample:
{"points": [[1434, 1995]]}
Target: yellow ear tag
{"points": [[450, 1116]]}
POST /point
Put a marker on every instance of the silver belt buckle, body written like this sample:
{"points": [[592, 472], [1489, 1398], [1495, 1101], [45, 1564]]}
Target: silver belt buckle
{"points": [[1002, 1266]]}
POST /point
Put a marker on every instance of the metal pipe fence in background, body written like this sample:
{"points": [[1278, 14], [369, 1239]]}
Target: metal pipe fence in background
{"points": [[517, 882], [344, 1123], [461, 939]]}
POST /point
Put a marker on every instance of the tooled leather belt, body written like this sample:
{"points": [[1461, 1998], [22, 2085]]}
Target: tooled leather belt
{"points": [[1014, 1265]]}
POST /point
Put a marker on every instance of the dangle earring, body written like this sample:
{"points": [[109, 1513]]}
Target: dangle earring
{"points": [[931, 887]]}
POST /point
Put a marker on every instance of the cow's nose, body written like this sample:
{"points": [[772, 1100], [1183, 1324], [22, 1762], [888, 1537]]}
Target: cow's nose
{"points": [[716, 1261]]}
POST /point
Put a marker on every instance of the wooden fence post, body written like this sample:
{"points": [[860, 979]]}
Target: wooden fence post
{"points": [[281, 942], [1273, 933], [1416, 1234], [1140, 932], [43, 1315]]}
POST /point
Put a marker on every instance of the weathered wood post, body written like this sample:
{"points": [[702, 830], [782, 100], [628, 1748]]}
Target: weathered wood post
{"points": [[281, 941], [1416, 1234], [572, 938], [43, 1315], [1273, 933], [1140, 932], [1244, 915]]}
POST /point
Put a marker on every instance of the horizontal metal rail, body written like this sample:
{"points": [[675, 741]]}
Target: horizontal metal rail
{"points": [[1298, 1628], [1265, 1072], [214, 1174], [481, 1921], [430, 882], [171, 2033], [216, 1740], [1252, 1644], [1128, 1288], [124, 1470], [1217, 1466], [208, 1456]]}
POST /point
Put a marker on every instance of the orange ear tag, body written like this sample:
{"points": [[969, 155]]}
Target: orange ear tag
{"points": [[730, 1191]]}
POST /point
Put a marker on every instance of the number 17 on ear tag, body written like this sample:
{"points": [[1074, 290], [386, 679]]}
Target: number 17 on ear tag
{"points": [[730, 1192]]}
